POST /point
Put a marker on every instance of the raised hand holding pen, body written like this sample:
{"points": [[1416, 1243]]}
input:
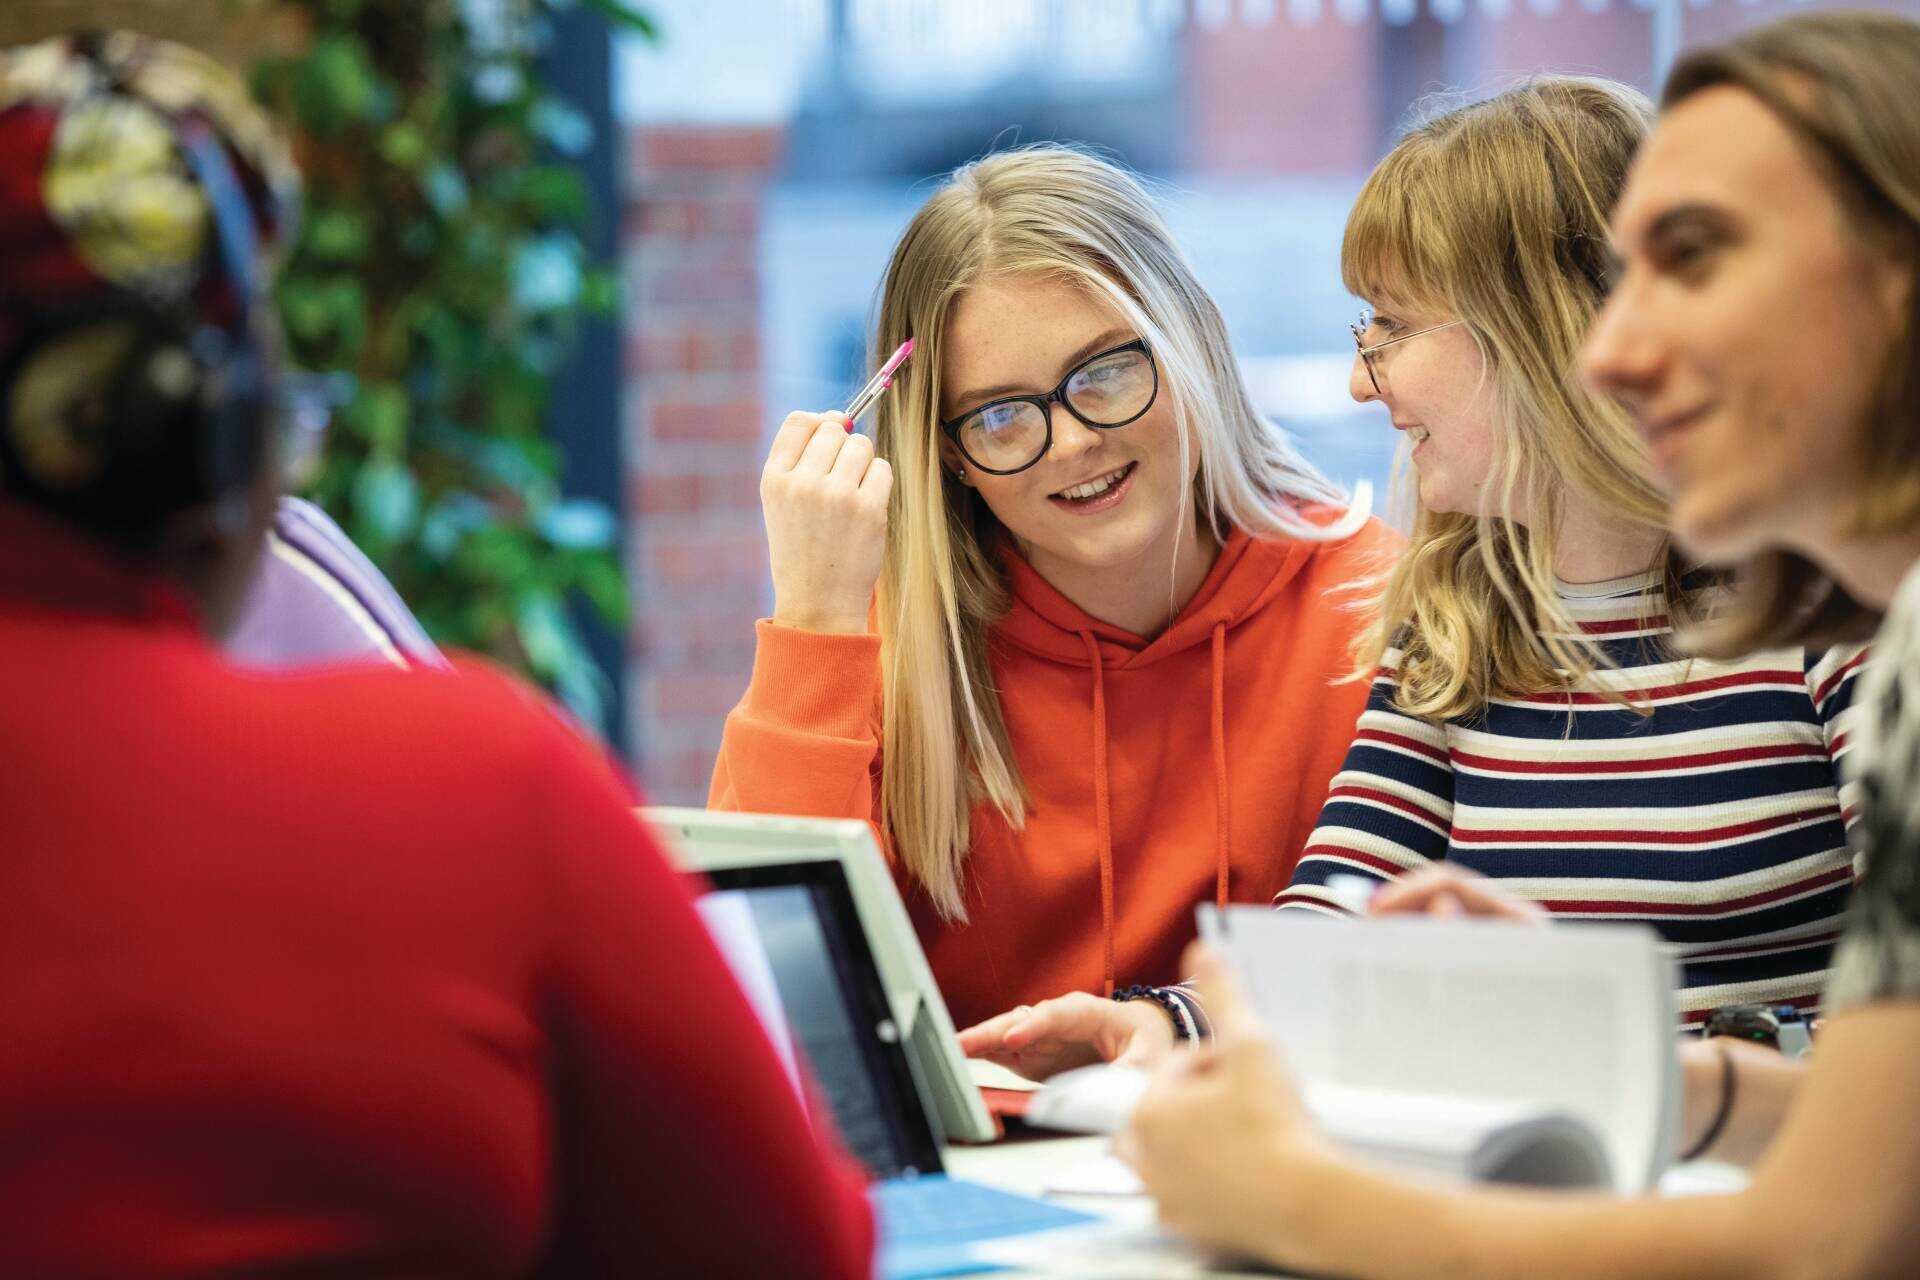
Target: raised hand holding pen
{"points": [[824, 496]]}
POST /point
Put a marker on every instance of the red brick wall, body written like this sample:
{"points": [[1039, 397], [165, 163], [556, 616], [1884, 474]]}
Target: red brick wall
{"points": [[697, 558], [1286, 99], [1281, 98]]}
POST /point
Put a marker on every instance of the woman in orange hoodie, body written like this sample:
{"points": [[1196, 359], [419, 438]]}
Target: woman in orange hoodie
{"points": [[1069, 629]]}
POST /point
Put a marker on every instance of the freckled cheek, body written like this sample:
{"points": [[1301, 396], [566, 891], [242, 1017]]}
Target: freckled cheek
{"points": [[1160, 448], [1011, 501]]}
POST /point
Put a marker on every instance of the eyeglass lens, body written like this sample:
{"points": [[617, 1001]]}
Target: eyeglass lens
{"points": [[1109, 390], [1359, 329]]}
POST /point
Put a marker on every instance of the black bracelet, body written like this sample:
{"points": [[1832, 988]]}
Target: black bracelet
{"points": [[1175, 1007], [1712, 1135]]}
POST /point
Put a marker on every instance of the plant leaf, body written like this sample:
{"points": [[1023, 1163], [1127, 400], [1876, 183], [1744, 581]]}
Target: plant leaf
{"points": [[625, 17], [387, 501]]}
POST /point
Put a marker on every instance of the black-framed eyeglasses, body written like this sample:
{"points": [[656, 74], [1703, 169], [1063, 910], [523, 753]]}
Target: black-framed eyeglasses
{"points": [[1369, 353], [1104, 391]]}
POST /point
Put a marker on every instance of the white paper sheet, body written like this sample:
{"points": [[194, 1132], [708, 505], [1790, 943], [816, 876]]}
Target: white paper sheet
{"points": [[1571, 1021]]}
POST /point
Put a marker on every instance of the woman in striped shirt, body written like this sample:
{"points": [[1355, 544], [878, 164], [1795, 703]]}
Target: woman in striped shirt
{"points": [[1531, 716]]}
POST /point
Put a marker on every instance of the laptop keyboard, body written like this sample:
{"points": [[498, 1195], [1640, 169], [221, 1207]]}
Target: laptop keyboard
{"points": [[936, 1210]]}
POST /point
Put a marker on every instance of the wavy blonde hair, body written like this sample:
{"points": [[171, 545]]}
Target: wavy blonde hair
{"points": [[1495, 214], [1057, 214]]}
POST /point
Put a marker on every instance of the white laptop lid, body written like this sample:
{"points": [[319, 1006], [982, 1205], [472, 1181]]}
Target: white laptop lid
{"points": [[708, 841]]}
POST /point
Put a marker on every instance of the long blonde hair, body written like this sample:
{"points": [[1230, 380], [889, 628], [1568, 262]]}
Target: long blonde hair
{"points": [[1495, 214], [1050, 213]]}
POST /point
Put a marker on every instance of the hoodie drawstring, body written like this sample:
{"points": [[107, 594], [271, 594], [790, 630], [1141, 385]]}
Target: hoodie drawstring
{"points": [[1102, 806], [1222, 832], [1102, 801]]}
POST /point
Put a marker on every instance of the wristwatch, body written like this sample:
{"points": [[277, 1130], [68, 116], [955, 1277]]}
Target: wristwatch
{"points": [[1755, 1023]]}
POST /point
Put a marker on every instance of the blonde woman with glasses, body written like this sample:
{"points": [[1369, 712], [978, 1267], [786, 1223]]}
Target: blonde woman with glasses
{"points": [[1765, 338], [1065, 629], [1531, 718]]}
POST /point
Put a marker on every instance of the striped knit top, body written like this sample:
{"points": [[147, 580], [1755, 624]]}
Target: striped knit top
{"points": [[1718, 819]]}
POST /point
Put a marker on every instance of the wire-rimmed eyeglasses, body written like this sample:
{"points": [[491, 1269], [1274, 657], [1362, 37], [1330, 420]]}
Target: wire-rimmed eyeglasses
{"points": [[1369, 353]]}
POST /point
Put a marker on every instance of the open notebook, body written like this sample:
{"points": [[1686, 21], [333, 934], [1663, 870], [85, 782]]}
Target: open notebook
{"points": [[1472, 1050]]}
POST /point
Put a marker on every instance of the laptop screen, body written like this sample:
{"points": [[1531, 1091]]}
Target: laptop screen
{"points": [[793, 938]]}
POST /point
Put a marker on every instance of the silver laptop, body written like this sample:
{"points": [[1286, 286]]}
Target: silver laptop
{"points": [[804, 954]]}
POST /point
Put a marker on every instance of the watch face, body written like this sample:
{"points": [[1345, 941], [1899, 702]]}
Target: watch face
{"points": [[1754, 1022]]}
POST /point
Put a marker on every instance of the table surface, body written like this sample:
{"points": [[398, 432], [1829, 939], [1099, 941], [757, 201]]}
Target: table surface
{"points": [[1031, 1165]]}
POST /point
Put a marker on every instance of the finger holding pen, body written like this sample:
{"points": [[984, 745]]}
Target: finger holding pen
{"points": [[791, 440], [824, 496]]}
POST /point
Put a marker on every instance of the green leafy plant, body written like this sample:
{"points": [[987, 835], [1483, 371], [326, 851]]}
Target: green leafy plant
{"points": [[441, 266]]}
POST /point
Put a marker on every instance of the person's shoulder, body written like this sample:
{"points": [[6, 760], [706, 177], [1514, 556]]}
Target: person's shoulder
{"points": [[315, 598], [1325, 590], [491, 719], [1370, 550], [1375, 539], [469, 681], [1845, 653]]}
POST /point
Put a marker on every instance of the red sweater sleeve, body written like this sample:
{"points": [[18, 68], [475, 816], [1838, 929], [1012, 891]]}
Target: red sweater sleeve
{"points": [[680, 1148], [805, 739]]}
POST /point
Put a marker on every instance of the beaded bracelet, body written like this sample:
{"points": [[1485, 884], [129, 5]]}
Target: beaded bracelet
{"points": [[1175, 1007]]}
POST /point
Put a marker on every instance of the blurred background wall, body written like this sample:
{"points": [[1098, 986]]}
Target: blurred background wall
{"points": [[746, 164], [778, 146]]}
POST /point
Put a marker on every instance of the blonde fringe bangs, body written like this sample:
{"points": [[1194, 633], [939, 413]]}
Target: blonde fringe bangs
{"points": [[1391, 247]]}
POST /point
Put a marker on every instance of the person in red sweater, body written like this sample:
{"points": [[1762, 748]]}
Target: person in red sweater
{"points": [[1100, 679], [362, 972]]}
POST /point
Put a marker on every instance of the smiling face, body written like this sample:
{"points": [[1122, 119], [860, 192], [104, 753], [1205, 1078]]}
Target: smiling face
{"points": [[1438, 390], [1746, 330], [1021, 336]]}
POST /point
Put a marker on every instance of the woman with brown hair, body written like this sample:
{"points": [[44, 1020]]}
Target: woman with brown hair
{"points": [[1762, 333]]}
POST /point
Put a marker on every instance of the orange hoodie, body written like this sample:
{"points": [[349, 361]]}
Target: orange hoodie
{"points": [[1162, 773]]}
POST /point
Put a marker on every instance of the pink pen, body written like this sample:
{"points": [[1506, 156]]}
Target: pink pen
{"points": [[878, 383]]}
